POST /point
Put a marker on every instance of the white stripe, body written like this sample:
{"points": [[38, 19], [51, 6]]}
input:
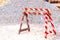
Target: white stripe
{"points": [[44, 10]]}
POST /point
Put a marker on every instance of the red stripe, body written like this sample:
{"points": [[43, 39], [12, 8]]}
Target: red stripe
{"points": [[25, 13], [35, 8], [46, 32], [39, 13], [46, 17], [52, 25], [31, 8], [46, 22], [40, 8], [50, 31], [26, 8], [46, 27], [34, 13], [54, 32], [30, 13]]}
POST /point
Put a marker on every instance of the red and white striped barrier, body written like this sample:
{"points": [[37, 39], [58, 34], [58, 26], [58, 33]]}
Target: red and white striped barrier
{"points": [[36, 9], [48, 18], [39, 11]]}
